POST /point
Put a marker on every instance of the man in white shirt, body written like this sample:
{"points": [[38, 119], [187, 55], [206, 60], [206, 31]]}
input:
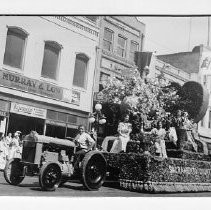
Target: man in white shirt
{"points": [[83, 140]]}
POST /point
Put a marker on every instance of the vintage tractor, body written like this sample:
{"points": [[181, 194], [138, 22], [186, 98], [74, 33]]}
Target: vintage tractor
{"points": [[55, 161]]}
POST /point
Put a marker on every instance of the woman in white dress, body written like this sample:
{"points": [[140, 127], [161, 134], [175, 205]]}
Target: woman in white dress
{"points": [[160, 145], [15, 149], [8, 139], [124, 130], [3, 152]]}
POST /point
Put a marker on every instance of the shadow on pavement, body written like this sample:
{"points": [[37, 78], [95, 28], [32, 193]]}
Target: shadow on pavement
{"points": [[79, 188], [111, 184]]}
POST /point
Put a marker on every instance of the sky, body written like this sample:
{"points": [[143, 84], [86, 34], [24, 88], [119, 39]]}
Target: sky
{"points": [[166, 35]]}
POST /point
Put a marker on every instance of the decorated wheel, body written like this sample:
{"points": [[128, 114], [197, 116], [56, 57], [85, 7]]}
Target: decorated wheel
{"points": [[50, 176], [196, 99], [93, 170], [14, 172]]}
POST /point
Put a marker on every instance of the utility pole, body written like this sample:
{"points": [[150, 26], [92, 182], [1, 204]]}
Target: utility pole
{"points": [[190, 25], [208, 38]]}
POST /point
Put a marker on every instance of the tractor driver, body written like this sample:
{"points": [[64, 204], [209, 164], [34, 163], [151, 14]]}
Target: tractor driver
{"points": [[83, 141]]}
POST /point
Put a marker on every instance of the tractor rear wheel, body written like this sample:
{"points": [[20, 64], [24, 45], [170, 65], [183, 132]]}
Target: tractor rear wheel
{"points": [[14, 171]]}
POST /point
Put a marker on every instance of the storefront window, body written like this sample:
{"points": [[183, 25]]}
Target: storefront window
{"points": [[25, 124], [71, 132], [55, 131], [72, 119], [63, 125], [52, 115]]}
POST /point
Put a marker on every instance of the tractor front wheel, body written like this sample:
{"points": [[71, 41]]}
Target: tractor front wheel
{"points": [[50, 176]]}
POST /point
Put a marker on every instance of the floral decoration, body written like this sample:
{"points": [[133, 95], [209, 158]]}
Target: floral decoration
{"points": [[151, 100]]}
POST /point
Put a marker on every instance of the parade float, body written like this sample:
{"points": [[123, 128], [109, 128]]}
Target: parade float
{"points": [[187, 168]]}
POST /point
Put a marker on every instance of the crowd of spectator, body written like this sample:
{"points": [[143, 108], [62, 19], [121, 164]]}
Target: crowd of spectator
{"points": [[10, 147]]}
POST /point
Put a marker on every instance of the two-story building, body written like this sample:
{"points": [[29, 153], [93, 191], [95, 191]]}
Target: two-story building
{"points": [[120, 37], [47, 68], [170, 72]]}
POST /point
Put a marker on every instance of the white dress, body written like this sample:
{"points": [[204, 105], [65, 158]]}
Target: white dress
{"points": [[120, 144], [3, 154], [160, 142], [14, 148]]}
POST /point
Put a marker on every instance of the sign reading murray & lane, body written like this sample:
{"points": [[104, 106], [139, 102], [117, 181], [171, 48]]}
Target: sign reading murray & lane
{"points": [[23, 83]]}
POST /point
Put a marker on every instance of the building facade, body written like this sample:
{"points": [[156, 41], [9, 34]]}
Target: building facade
{"points": [[204, 77], [197, 64], [47, 68], [171, 73], [120, 37]]}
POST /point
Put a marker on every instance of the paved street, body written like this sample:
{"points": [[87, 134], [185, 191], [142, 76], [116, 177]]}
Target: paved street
{"points": [[30, 187]]}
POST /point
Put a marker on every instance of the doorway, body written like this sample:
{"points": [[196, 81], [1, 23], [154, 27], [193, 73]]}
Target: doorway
{"points": [[25, 124]]}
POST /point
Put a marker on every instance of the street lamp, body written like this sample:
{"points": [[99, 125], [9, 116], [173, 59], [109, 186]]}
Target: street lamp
{"points": [[97, 118]]}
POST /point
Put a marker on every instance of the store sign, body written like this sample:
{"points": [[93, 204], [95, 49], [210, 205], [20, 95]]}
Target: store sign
{"points": [[205, 63], [75, 97], [3, 113], [108, 64], [99, 96], [72, 96], [189, 170], [28, 110], [23, 83]]}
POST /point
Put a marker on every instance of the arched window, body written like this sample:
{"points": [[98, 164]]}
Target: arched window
{"points": [[51, 60], [15, 46], [80, 71]]}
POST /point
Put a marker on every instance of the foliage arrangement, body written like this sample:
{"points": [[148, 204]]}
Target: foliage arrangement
{"points": [[139, 167], [150, 99], [185, 154]]}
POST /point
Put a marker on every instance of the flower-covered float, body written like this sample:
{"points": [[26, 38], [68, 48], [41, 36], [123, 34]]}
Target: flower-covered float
{"points": [[187, 167]]}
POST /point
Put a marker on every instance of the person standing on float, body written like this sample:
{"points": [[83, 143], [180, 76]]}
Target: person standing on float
{"points": [[160, 145]]}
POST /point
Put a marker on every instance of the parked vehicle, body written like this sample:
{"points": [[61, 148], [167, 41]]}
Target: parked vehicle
{"points": [[55, 161]]}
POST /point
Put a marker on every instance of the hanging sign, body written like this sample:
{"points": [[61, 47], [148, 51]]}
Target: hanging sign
{"points": [[205, 63], [28, 110], [71, 96]]}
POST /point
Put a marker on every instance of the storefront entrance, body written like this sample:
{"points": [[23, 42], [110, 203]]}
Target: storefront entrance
{"points": [[55, 131], [25, 124]]}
